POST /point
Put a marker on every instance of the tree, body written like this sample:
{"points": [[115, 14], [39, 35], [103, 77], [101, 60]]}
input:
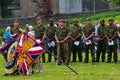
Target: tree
{"points": [[44, 6], [114, 3], [5, 12]]}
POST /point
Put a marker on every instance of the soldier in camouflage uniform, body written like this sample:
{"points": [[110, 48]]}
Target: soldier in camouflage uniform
{"points": [[110, 34], [61, 37], [69, 40], [16, 28], [101, 42], [50, 33], [76, 33], [39, 34], [88, 33]]}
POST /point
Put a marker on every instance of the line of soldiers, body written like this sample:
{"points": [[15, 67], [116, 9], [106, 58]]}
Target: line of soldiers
{"points": [[63, 39]]}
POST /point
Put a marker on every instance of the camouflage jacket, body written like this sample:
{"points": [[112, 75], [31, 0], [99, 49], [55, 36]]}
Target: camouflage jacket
{"points": [[75, 30], [101, 31], [62, 32], [15, 30], [88, 30], [39, 31], [50, 32], [111, 30]]}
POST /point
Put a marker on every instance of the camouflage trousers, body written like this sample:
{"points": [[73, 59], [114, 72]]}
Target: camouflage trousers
{"points": [[62, 53], [91, 48], [112, 49], [101, 50], [77, 49]]}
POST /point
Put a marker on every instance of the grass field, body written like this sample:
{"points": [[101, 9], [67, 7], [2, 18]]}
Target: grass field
{"points": [[89, 71]]}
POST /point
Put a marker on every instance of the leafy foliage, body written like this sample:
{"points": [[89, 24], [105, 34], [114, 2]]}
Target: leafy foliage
{"points": [[46, 7], [115, 3], [5, 12]]}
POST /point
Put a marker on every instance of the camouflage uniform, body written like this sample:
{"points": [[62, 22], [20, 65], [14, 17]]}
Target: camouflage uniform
{"points": [[88, 30], [101, 44], [62, 48], [110, 31], [14, 70], [75, 31], [50, 33], [39, 32], [15, 30], [69, 46]]}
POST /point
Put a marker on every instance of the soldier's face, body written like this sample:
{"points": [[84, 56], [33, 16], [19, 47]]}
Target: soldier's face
{"points": [[61, 24], [75, 23], [97, 22], [88, 22], [110, 22], [16, 24], [102, 22], [39, 21]]}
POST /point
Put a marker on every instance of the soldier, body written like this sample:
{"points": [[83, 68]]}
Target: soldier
{"points": [[88, 33], [50, 32], [110, 34], [101, 42], [69, 40], [76, 33], [61, 37], [39, 34], [16, 29], [118, 37]]}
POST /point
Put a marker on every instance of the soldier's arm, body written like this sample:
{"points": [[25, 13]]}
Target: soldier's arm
{"points": [[84, 36], [21, 30], [66, 38], [50, 39], [77, 36], [56, 38], [103, 38], [106, 36], [119, 34], [92, 34], [44, 36], [89, 37], [114, 36]]}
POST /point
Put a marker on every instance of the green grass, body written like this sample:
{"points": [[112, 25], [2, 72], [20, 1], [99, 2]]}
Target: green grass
{"points": [[103, 15], [89, 71]]}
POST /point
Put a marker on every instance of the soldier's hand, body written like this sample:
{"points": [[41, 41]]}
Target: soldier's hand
{"points": [[86, 39], [73, 39], [62, 41], [58, 42], [109, 40]]}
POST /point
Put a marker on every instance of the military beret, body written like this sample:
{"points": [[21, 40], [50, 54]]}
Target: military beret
{"points": [[66, 20], [61, 20], [88, 19], [51, 20], [16, 21], [75, 20], [110, 19], [38, 18]]}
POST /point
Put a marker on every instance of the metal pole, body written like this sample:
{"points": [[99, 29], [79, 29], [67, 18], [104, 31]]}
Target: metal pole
{"points": [[0, 12], [61, 61], [94, 6]]}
